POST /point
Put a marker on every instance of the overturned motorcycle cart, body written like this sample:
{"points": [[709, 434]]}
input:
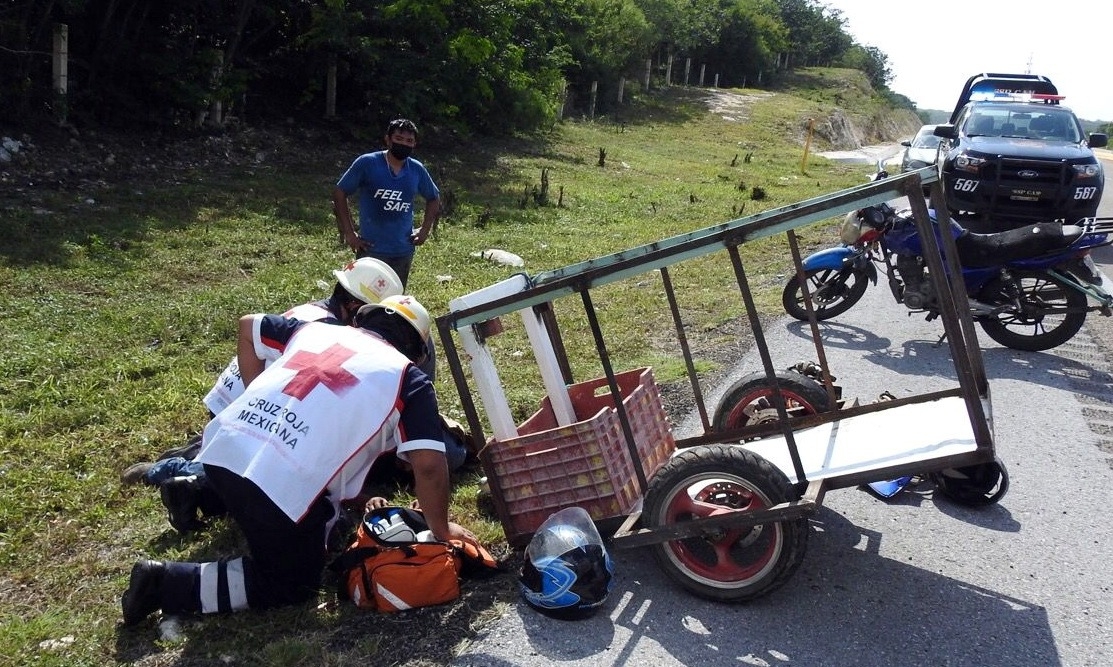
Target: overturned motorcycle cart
{"points": [[725, 512]]}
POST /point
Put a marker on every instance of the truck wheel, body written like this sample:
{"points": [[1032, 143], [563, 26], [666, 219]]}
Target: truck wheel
{"points": [[749, 401], [727, 564]]}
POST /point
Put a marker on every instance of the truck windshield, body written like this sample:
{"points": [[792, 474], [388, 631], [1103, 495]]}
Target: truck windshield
{"points": [[1050, 126]]}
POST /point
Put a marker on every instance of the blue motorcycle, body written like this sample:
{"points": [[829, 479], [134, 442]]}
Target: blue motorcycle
{"points": [[1029, 288]]}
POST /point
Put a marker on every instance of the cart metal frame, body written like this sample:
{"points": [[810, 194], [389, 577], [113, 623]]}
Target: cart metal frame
{"points": [[473, 317]]}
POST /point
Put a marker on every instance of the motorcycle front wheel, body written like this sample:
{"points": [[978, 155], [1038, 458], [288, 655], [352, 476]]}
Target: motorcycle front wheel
{"points": [[833, 292], [1042, 322]]}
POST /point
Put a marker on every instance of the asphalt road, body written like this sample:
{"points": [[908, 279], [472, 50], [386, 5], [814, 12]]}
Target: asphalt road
{"points": [[915, 580]]}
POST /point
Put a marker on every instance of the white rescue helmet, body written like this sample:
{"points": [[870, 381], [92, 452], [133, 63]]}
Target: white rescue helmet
{"points": [[410, 309], [368, 279]]}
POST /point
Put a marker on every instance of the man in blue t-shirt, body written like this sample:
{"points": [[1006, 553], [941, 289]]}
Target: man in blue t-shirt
{"points": [[387, 182]]}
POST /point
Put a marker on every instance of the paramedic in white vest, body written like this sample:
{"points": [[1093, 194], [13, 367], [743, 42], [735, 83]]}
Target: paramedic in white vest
{"points": [[358, 283], [180, 480], [298, 442]]}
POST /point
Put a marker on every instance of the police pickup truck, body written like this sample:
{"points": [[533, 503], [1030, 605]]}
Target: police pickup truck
{"points": [[1012, 154]]}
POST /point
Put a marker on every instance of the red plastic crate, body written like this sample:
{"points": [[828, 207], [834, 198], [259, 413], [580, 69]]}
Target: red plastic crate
{"points": [[586, 463]]}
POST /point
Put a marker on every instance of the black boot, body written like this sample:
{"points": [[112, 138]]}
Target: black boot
{"points": [[143, 596], [181, 496]]}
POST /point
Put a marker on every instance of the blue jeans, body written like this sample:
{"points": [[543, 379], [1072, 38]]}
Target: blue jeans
{"points": [[175, 466], [454, 450]]}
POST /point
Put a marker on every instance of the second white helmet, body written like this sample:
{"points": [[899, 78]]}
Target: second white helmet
{"points": [[410, 310]]}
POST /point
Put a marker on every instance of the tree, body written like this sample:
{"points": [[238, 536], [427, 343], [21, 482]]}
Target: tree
{"points": [[815, 34], [682, 26], [469, 65], [872, 61], [748, 43], [607, 39]]}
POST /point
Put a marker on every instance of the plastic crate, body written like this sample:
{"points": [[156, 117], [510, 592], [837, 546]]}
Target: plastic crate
{"points": [[586, 463]]}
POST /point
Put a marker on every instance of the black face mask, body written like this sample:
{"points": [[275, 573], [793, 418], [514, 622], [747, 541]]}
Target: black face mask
{"points": [[401, 151]]}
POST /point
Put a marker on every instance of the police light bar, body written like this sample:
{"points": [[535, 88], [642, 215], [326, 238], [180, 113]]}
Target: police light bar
{"points": [[1015, 96]]}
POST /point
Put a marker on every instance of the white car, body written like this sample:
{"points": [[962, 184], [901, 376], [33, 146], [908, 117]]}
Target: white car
{"points": [[920, 151]]}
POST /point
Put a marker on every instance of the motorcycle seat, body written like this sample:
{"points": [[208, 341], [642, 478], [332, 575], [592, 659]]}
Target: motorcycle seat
{"points": [[978, 250]]}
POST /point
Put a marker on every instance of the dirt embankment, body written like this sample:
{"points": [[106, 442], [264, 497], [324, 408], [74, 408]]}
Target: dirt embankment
{"points": [[844, 132], [838, 131]]}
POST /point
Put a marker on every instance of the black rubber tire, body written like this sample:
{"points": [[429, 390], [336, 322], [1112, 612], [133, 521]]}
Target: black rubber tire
{"points": [[735, 564], [974, 486], [1038, 288], [833, 293], [749, 401]]}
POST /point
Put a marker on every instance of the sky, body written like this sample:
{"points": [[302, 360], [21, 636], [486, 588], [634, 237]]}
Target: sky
{"points": [[934, 47]]}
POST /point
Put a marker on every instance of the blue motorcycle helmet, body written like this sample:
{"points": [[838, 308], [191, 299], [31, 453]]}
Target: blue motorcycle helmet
{"points": [[567, 572]]}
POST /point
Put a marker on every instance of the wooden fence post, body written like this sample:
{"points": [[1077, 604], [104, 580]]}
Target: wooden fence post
{"points": [[648, 72], [807, 146], [330, 87], [216, 77], [702, 70], [687, 70], [621, 88], [668, 73], [594, 93], [60, 65]]}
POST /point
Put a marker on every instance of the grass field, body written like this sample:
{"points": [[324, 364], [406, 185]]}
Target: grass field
{"points": [[120, 295]]}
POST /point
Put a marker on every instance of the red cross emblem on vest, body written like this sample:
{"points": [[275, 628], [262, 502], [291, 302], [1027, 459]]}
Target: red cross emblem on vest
{"points": [[314, 368]]}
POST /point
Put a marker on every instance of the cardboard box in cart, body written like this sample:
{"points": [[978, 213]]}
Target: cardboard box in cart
{"points": [[587, 463]]}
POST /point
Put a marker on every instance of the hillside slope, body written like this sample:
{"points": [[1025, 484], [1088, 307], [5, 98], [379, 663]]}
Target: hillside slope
{"points": [[861, 116]]}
